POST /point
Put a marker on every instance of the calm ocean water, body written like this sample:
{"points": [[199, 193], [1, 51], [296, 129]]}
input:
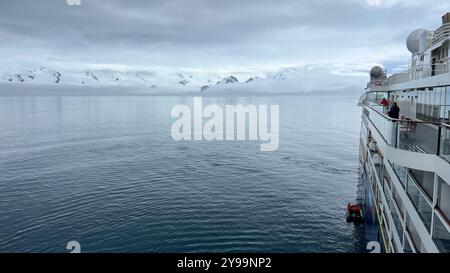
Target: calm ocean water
{"points": [[104, 171]]}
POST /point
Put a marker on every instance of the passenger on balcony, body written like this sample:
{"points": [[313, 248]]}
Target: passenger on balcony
{"points": [[395, 111], [385, 104]]}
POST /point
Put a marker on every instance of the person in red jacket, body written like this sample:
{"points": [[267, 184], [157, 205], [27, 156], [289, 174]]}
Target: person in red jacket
{"points": [[385, 104]]}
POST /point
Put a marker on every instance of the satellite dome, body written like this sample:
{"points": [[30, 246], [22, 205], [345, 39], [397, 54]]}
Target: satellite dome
{"points": [[415, 40], [376, 72]]}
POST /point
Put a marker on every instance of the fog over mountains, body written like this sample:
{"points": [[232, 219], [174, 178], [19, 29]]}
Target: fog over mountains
{"points": [[288, 80]]}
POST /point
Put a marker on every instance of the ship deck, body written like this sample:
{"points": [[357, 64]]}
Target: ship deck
{"points": [[423, 140]]}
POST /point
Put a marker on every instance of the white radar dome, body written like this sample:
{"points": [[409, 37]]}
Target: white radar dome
{"points": [[376, 72], [415, 40]]}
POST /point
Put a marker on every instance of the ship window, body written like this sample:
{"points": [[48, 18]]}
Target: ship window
{"points": [[421, 203], [425, 180], [441, 235], [394, 248], [444, 198], [443, 94], [421, 105], [397, 223], [432, 97], [414, 235], [447, 96], [398, 201], [386, 221], [401, 174], [407, 248], [387, 195], [437, 98], [384, 229], [440, 96]]}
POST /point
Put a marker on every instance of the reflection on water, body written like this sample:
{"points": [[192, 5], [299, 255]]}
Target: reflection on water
{"points": [[105, 171]]}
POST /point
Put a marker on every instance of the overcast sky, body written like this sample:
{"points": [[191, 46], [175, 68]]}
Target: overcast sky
{"points": [[226, 35]]}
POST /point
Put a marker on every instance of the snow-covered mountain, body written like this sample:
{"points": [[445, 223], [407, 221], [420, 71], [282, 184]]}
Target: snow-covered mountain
{"points": [[288, 80], [228, 80], [97, 77], [295, 80], [252, 79], [39, 75], [222, 83]]}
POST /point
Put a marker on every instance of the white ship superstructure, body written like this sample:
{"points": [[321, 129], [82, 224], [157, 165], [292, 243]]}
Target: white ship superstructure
{"points": [[406, 159]]}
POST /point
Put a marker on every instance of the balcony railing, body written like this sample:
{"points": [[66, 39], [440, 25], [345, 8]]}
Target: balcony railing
{"points": [[374, 97], [411, 135], [385, 125], [445, 142], [441, 232], [420, 201], [419, 72], [441, 34], [401, 77]]}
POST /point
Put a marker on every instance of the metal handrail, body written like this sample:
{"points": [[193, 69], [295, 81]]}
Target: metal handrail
{"points": [[403, 120], [420, 71], [441, 34], [395, 144]]}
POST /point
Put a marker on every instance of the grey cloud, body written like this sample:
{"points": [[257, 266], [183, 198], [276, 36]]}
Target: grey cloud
{"points": [[208, 33]]}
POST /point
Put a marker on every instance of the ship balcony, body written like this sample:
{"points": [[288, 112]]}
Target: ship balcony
{"points": [[441, 34], [419, 72], [431, 201], [419, 186], [411, 135], [411, 74]]}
